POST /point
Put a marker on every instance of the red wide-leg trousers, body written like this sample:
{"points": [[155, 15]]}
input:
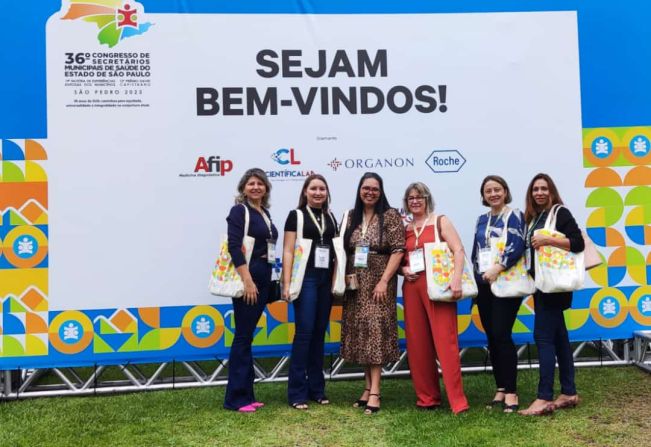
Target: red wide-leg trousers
{"points": [[431, 329]]}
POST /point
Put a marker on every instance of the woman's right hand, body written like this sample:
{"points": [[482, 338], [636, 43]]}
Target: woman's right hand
{"points": [[409, 275], [285, 294], [250, 292]]}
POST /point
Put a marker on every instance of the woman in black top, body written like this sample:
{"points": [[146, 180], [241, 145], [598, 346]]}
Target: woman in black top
{"points": [[550, 332], [254, 189], [312, 307]]}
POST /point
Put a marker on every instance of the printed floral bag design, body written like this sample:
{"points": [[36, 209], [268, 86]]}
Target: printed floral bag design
{"points": [[439, 265], [557, 270], [302, 249], [516, 281], [224, 279]]}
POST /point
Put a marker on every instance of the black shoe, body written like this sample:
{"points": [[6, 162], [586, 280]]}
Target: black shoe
{"points": [[361, 403], [370, 409], [495, 402]]}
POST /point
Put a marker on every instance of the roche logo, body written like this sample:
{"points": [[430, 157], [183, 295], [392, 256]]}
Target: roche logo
{"points": [[445, 161]]}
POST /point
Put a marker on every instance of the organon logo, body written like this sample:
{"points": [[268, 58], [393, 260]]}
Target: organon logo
{"points": [[386, 162], [445, 161], [335, 164]]}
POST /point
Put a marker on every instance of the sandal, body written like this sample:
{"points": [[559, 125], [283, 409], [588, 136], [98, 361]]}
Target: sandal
{"points": [[371, 409], [511, 408], [323, 401], [247, 409], [565, 401], [302, 406], [361, 403], [546, 409], [496, 402]]}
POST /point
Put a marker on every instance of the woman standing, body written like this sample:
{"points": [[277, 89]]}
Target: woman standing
{"points": [[431, 326], [550, 332], [254, 189], [375, 240], [312, 307], [498, 314]]}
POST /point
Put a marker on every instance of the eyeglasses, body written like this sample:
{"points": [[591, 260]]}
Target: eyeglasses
{"points": [[370, 189], [415, 198]]}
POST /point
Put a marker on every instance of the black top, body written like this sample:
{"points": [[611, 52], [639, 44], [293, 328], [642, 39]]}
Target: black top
{"points": [[566, 224], [257, 229], [310, 230]]}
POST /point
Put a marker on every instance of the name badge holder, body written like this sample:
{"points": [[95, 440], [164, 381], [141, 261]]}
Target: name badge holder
{"points": [[485, 260], [484, 256], [417, 260], [271, 251], [322, 257], [361, 256]]}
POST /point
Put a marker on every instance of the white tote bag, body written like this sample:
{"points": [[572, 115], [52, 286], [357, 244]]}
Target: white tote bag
{"points": [[516, 281], [224, 279], [339, 282], [557, 270], [439, 268], [302, 249]]}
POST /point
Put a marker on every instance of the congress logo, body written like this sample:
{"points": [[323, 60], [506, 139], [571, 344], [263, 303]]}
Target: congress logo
{"points": [[116, 20]]}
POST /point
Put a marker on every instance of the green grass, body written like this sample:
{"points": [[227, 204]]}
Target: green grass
{"points": [[614, 411]]}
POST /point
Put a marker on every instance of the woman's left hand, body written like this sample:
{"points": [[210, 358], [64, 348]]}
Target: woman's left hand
{"points": [[455, 287], [540, 240], [380, 291], [491, 274]]}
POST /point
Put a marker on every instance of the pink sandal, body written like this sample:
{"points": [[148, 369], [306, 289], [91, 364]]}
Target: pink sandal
{"points": [[246, 409]]}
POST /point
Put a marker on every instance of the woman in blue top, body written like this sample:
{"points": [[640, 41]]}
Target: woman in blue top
{"points": [[254, 189], [498, 314], [312, 307]]}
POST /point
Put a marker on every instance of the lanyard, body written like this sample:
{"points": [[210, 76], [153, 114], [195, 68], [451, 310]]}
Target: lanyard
{"points": [[418, 233], [266, 221], [488, 224], [532, 227], [319, 226], [365, 225]]}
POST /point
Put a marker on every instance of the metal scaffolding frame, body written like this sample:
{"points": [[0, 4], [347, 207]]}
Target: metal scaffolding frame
{"points": [[642, 350], [101, 379]]}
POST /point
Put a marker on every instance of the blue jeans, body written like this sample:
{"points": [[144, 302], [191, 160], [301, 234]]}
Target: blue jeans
{"points": [[239, 391], [553, 343], [311, 317]]}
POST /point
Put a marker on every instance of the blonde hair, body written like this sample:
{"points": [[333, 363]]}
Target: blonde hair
{"points": [[259, 174], [423, 190]]}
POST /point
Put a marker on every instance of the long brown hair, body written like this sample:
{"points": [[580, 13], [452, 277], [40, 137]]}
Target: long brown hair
{"points": [[302, 200], [531, 209]]}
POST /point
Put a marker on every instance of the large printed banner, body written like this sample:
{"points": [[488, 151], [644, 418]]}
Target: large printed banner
{"points": [[110, 224]]}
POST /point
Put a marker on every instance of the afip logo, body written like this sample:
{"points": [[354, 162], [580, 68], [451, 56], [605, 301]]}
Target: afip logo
{"points": [[445, 161], [285, 156], [213, 165], [116, 19]]}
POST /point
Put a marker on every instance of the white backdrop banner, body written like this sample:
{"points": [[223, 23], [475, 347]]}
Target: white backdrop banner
{"points": [[148, 139]]}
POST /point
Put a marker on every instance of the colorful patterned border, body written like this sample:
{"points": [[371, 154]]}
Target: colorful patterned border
{"points": [[618, 179]]}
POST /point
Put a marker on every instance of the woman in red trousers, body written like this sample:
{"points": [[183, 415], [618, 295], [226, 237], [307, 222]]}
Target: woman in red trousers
{"points": [[431, 326]]}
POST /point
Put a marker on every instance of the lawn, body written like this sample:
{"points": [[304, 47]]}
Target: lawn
{"points": [[614, 411]]}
